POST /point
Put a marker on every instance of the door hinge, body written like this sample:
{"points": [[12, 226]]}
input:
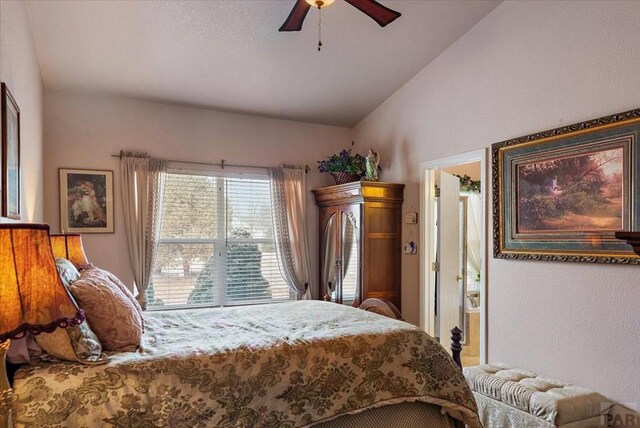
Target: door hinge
{"points": [[436, 191], [435, 267]]}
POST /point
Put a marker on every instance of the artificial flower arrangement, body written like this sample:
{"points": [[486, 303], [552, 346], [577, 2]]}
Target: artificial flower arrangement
{"points": [[468, 185], [344, 167]]}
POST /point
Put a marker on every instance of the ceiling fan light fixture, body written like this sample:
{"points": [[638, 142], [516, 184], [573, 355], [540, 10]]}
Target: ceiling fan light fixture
{"points": [[374, 10], [319, 3]]}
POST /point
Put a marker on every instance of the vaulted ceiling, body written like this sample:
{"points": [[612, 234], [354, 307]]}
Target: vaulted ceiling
{"points": [[228, 55]]}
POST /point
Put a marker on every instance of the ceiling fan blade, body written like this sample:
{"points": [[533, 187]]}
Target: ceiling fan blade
{"points": [[379, 13], [296, 16]]}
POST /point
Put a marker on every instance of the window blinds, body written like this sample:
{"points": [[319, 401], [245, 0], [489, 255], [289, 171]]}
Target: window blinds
{"points": [[216, 244]]}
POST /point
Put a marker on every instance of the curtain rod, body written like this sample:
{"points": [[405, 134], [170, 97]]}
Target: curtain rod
{"points": [[221, 164]]}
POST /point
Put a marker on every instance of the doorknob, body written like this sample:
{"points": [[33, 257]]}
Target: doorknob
{"points": [[459, 277]]}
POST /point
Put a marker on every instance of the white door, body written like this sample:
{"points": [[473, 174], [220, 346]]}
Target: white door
{"points": [[447, 269], [447, 305]]}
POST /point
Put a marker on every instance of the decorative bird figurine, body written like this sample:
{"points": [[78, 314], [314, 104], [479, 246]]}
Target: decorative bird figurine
{"points": [[373, 159]]}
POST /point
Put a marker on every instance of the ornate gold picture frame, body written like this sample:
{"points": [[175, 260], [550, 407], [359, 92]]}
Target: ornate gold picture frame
{"points": [[9, 155], [562, 194]]}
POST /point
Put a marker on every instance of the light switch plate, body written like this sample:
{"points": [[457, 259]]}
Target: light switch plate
{"points": [[411, 218]]}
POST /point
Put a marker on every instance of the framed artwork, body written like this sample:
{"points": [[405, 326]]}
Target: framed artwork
{"points": [[10, 163], [86, 201], [562, 194]]}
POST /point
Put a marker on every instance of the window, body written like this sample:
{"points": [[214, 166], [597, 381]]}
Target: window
{"points": [[216, 243]]}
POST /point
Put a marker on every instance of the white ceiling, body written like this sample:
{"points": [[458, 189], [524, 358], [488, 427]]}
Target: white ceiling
{"points": [[228, 55]]}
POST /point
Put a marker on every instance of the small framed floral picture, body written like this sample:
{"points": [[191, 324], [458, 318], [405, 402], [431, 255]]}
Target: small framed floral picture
{"points": [[86, 201]]}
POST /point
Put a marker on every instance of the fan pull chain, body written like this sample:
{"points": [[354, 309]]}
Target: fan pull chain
{"points": [[319, 27]]}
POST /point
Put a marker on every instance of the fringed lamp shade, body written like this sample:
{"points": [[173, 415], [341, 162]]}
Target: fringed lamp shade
{"points": [[69, 246], [32, 296]]}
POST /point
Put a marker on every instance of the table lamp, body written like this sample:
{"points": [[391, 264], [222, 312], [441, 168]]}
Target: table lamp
{"points": [[32, 297], [69, 246]]}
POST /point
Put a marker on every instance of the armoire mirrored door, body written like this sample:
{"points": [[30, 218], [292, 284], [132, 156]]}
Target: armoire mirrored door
{"points": [[350, 250]]}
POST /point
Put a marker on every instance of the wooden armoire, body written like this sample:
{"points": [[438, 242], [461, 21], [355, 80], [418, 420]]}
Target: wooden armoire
{"points": [[360, 241]]}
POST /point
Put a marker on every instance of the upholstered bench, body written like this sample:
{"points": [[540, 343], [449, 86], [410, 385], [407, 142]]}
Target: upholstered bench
{"points": [[519, 398]]}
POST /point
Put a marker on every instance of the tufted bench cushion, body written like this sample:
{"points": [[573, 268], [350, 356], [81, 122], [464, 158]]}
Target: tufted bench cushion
{"points": [[509, 397]]}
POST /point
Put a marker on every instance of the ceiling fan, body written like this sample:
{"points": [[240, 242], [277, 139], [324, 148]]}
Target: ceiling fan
{"points": [[379, 13]]}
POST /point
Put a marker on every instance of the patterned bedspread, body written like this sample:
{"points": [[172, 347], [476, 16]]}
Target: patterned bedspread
{"points": [[282, 365]]}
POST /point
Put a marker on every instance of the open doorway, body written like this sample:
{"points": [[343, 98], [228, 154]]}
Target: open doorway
{"points": [[453, 267]]}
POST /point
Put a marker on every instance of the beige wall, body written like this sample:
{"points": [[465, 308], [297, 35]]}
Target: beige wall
{"points": [[20, 71], [527, 67], [82, 131]]}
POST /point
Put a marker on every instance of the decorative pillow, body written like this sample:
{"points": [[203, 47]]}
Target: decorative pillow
{"points": [[76, 343], [115, 281], [67, 271], [110, 312]]}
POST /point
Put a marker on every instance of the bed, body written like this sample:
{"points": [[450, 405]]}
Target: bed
{"points": [[296, 364]]}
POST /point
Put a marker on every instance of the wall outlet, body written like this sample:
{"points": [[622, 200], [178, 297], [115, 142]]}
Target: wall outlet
{"points": [[411, 218]]}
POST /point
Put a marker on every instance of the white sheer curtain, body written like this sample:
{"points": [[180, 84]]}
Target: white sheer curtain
{"points": [[156, 179], [288, 200], [474, 217], [141, 187]]}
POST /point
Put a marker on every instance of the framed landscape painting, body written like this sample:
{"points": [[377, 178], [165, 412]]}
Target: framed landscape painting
{"points": [[562, 194], [10, 155], [86, 201]]}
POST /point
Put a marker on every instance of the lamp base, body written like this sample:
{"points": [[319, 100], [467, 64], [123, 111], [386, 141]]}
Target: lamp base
{"points": [[6, 393]]}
